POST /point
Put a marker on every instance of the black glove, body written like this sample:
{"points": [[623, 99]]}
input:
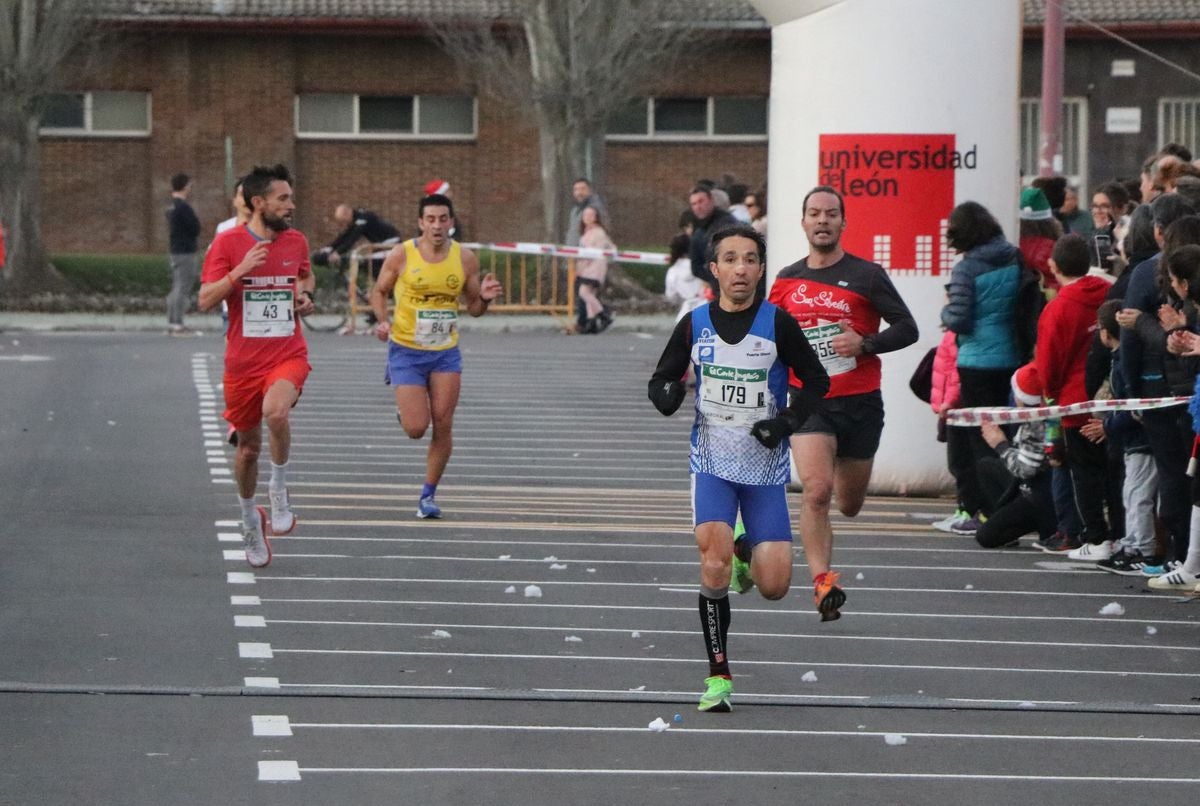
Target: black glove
{"points": [[667, 396], [771, 432]]}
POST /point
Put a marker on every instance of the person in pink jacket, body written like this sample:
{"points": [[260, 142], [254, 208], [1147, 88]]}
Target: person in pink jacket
{"points": [[945, 394]]}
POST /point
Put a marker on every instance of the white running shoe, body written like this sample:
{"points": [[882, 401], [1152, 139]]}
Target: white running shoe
{"points": [[1177, 580], [283, 520], [1092, 552], [946, 524], [254, 538]]}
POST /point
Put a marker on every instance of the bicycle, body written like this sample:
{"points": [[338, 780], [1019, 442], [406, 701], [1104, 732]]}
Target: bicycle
{"points": [[342, 293]]}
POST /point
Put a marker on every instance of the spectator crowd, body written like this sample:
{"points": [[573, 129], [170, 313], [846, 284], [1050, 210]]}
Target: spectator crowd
{"points": [[1084, 307]]}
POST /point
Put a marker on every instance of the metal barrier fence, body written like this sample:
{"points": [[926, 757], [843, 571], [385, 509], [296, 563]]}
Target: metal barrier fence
{"points": [[536, 278]]}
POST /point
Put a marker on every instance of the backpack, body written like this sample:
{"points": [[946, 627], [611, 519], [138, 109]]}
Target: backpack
{"points": [[1027, 311]]}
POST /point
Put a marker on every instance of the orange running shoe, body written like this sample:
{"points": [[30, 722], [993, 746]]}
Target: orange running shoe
{"points": [[828, 596]]}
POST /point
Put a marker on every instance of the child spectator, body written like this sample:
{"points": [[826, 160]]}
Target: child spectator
{"points": [[944, 395], [1140, 488], [1064, 338], [1039, 231], [680, 284], [1027, 506], [1183, 269]]}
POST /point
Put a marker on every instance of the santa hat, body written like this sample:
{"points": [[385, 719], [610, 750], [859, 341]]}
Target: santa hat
{"points": [[1027, 386], [436, 186], [1034, 205]]}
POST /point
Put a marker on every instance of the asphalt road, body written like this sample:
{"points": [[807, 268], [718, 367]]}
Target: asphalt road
{"points": [[380, 659]]}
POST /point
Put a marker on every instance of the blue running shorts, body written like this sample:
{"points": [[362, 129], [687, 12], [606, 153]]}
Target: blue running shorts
{"points": [[409, 367], [764, 507]]}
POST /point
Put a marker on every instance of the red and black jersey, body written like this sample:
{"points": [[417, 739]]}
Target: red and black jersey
{"points": [[852, 290]]}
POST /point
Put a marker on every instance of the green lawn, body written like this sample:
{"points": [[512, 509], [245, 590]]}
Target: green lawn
{"points": [[125, 275]]}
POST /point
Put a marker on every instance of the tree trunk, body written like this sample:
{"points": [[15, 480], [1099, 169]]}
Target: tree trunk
{"points": [[27, 269]]}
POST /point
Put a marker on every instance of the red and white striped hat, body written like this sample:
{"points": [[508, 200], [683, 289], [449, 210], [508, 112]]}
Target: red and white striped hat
{"points": [[1027, 386], [436, 186]]}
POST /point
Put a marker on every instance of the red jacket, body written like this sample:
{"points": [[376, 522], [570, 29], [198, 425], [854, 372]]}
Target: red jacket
{"points": [[1065, 332], [945, 389]]}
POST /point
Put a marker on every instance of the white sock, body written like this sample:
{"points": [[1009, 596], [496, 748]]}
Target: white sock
{"points": [[278, 476], [1192, 563], [249, 510]]}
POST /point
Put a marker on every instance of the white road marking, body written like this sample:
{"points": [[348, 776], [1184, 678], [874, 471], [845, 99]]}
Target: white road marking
{"points": [[735, 772], [711, 731], [240, 578], [812, 636], [780, 612], [254, 650], [270, 725], [261, 682], [631, 660], [245, 601], [240, 620], [585, 583], [229, 537], [26, 358], [278, 771]]}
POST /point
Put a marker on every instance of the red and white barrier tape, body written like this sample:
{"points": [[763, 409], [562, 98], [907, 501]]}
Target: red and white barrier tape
{"points": [[1021, 415], [555, 250]]}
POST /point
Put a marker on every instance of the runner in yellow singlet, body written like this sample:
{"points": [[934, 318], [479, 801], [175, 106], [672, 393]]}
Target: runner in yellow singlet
{"points": [[428, 276]]}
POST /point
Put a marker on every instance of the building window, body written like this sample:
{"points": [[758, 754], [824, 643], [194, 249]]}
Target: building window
{"points": [[98, 114], [1072, 138], [1179, 122], [385, 117], [680, 118]]}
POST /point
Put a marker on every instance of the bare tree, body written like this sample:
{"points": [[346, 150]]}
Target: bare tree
{"points": [[36, 37], [570, 65]]}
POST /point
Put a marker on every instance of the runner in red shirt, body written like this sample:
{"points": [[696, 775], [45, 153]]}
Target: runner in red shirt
{"points": [[261, 270], [839, 301]]}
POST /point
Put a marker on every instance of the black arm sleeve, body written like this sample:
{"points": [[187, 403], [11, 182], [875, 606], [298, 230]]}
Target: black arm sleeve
{"points": [[346, 239], [902, 328], [798, 354], [666, 389]]}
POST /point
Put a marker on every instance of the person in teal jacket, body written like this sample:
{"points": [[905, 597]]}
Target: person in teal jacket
{"points": [[981, 312]]}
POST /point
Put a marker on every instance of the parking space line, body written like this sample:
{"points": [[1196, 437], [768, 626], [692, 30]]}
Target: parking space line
{"points": [[708, 731], [738, 771], [630, 660]]}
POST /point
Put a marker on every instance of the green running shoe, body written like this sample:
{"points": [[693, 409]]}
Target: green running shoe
{"points": [[716, 698], [741, 581]]}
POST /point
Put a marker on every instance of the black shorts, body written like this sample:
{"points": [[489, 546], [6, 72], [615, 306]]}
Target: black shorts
{"points": [[588, 282], [855, 421]]}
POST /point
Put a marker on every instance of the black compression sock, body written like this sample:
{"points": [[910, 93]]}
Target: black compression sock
{"points": [[714, 623]]}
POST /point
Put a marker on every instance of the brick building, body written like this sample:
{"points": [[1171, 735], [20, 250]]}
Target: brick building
{"points": [[365, 109]]}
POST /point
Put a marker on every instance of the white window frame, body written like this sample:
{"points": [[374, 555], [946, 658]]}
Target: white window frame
{"points": [[88, 131], [357, 134], [653, 136], [1193, 101], [1031, 137]]}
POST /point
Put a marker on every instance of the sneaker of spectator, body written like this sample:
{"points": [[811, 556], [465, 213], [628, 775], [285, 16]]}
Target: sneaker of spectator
{"points": [[1127, 562], [1057, 543], [947, 523], [968, 527], [1092, 552], [1157, 569]]}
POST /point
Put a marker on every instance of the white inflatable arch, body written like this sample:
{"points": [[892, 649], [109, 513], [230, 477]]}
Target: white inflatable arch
{"points": [[909, 108]]}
